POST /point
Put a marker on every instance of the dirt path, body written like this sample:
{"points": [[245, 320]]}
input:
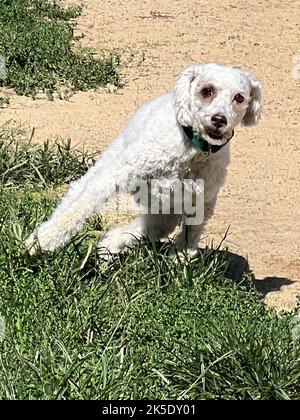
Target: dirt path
{"points": [[261, 198]]}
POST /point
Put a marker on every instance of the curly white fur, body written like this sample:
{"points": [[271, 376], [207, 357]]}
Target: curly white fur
{"points": [[154, 145]]}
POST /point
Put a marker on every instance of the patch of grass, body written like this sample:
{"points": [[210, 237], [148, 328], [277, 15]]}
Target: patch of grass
{"points": [[24, 163], [3, 101], [137, 327], [41, 52]]}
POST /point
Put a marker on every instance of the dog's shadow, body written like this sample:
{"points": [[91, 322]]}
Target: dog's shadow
{"points": [[237, 268]]}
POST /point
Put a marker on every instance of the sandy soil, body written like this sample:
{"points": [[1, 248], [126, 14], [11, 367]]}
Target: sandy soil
{"points": [[261, 198]]}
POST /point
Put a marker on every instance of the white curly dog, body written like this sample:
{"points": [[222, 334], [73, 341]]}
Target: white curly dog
{"points": [[182, 134]]}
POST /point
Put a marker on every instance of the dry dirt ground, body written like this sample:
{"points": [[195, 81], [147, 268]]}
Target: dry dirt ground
{"points": [[156, 39]]}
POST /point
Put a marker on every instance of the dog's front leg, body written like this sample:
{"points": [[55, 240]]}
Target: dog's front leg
{"points": [[191, 235], [188, 240]]}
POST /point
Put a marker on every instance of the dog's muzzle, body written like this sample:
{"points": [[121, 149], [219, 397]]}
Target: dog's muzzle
{"points": [[201, 143]]}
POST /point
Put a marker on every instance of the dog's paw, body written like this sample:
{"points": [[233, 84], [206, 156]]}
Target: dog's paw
{"points": [[32, 245], [43, 240], [109, 246], [105, 254], [181, 255]]}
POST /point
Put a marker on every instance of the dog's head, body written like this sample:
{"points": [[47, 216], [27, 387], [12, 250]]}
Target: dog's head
{"points": [[213, 99]]}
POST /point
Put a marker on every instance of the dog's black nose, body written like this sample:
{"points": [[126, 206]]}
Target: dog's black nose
{"points": [[219, 120]]}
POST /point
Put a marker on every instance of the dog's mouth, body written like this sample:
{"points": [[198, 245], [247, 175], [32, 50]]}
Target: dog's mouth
{"points": [[217, 137]]}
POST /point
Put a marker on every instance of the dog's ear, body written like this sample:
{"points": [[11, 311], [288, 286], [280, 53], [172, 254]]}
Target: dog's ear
{"points": [[254, 109], [183, 100]]}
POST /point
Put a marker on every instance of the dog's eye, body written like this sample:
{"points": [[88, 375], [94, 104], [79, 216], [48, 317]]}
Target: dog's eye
{"points": [[207, 92], [239, 98]]}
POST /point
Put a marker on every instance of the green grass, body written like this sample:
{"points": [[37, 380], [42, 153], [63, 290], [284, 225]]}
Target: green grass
{"points": [[25, 164], [137, 327], [41, 51], [3, 101]]}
